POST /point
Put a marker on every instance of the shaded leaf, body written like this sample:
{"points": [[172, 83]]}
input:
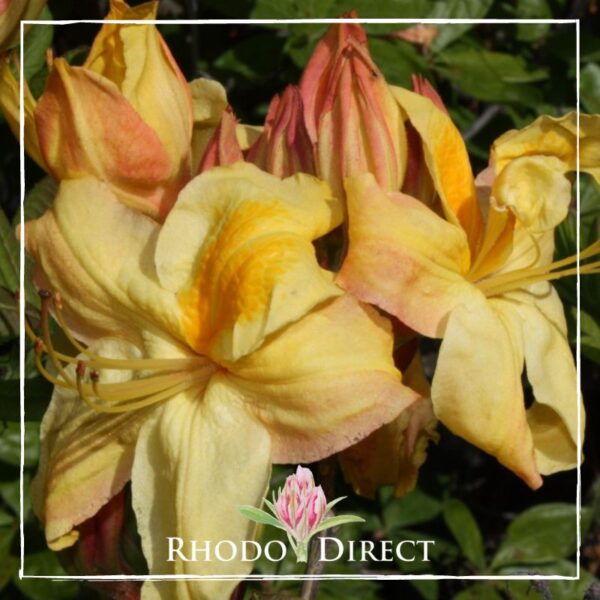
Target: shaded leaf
{"points": [[479, 591], [10, 444], [45, 563], [590, 87], [463, 526], [455, 9], [416, 507], [37, 41], [542, 534]]}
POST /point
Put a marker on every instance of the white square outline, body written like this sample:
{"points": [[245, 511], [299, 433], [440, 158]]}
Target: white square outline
{"points": [[302, 577]]}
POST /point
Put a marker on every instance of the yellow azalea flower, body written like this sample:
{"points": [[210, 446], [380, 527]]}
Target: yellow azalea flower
{"points": [[485, 291], [106, 120], [12, 12], [216, 346]]}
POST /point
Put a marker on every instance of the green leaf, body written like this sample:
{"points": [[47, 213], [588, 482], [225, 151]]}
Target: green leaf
{"points": [[10, 444], [413, 508], [479, 591], [260, 516], [9, 255], [542, 534], [38, 200], [45, 563], [463, 526], [337, 521], [558, 590], [37, 41], [428, 589], [532, 9], [490, 76], [590, 336], [455, 9], [398, 60], [9, 565], [10, 492], [590, 87]]}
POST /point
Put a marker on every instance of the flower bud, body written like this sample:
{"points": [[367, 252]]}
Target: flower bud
{"points": [[12, 12], [301, 506], [350, 113], [284, 147], [223, 147], [125, 117]]}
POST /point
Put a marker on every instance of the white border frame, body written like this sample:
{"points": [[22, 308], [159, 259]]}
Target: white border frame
{"points": [[302, 577]]}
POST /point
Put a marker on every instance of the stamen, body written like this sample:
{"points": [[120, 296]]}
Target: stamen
{"points": [[519, 278], [178, 374]]}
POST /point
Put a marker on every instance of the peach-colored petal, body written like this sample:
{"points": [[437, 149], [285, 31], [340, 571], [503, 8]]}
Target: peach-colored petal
{"points": [[223, 147], [340, 386], [86, 128], [403, 257]]}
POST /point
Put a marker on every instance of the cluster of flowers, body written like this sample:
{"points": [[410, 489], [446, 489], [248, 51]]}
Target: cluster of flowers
{"points": [[212, 340]]}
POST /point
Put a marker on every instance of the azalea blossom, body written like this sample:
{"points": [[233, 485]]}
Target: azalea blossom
{"points": [[481, 283], [209, 347]]}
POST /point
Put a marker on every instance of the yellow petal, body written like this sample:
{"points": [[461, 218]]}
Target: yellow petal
{"points": [[553, 136], [137, 60], [447, 160], [209, 100], [86, 457], [237, 250], [535, 189], [196, 463], [403, 257], [476, 388], [87, 128], [12, 12], [393, 454], [340, 386], [551, 372], [9, 105], [98, 254]]}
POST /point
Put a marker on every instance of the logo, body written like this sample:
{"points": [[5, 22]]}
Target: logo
{"points": [[301, 510]]}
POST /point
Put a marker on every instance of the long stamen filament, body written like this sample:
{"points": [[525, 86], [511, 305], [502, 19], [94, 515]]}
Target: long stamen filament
{"points": [[512, 280], [178, 374]]}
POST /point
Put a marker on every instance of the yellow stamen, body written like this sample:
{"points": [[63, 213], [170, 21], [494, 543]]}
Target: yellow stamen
{"points": [[513, 280], [174, 375]]}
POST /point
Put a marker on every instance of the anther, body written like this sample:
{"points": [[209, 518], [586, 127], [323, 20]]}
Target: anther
{"points": [[80, 369], [95, 375], [44, 294], [38, 346]]}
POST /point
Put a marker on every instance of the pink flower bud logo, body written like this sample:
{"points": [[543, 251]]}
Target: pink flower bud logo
{"points": [[301, 510]]}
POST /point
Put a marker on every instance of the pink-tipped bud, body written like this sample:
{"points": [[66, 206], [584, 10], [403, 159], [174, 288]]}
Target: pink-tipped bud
{"points": [[284, 147], [350, 113], [301, 506], [223, 147]]}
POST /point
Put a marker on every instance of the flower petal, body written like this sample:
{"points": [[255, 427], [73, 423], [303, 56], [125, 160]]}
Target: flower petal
{"points": [[237, 250], [86, 457], [393, 454], [340, 385], [403, 257], [476, 389], [553, 136], [87, 128], [9, 106], [195, 463], [448, 162], [551, 372], [536, 190], [99, 255]]}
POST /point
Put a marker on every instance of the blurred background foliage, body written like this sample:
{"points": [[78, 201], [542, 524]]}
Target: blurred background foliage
{"points": [[492, 77]]}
